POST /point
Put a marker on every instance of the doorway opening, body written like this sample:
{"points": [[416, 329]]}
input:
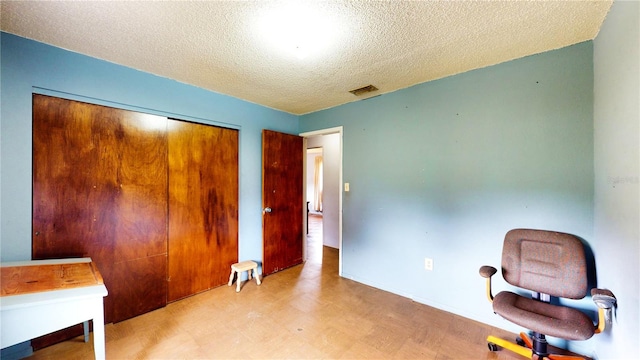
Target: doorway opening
{"points": [[323, 193], [314, 181]]}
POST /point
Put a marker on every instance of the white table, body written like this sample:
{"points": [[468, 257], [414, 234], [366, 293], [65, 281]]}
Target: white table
{"points": [[24, 316]]}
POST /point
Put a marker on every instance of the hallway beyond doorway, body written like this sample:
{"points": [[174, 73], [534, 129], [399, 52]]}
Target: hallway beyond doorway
{"points": [[314, 239]]}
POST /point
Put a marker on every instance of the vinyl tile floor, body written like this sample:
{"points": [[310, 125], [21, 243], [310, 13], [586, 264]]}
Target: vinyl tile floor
{"points": [[304, 312]]}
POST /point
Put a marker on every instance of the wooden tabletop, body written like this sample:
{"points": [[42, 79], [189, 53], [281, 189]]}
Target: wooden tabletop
{"points": [[35, 277]]}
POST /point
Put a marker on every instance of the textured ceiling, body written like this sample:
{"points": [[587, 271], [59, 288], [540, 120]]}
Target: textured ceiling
{"points": [[329, 47]]}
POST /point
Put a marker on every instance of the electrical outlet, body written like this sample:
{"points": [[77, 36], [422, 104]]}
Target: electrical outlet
{"points": [[428, 264]]}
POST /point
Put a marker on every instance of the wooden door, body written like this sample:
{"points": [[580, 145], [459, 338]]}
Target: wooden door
{"points": [[203, 207], [100, 190], [282, 160]]}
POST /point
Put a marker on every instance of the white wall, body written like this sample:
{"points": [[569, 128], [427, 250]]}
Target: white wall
{"points": [[617, 175], [330, 206]]}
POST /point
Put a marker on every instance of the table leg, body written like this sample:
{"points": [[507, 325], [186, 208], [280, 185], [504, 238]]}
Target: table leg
{"points": [[85, 327], [98, 331]]}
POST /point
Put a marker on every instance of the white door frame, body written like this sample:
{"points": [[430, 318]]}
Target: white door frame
{"points": [[305, 135]]}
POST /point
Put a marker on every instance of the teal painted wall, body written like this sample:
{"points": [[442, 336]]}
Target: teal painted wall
{"points": [[28, 66], [616, 61], [444, 169]]}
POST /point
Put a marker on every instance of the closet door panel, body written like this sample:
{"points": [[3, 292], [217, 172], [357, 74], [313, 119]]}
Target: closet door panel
{"points": [[66, 218], [203, 207], [74, 185], [140, 243], [97, 191]]}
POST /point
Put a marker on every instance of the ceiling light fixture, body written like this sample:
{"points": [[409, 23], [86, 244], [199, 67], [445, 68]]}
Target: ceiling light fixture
{"points": [[301, 29]]}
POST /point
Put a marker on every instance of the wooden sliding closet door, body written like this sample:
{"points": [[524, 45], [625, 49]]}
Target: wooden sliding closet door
{"points": [[203, 207], [100, 190]]}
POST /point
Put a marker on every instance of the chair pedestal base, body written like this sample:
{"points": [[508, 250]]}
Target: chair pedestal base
{"points": [[520, 350], [526, 350]]}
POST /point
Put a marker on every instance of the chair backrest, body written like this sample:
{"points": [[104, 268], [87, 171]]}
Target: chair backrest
{"points": [[546, 262]]}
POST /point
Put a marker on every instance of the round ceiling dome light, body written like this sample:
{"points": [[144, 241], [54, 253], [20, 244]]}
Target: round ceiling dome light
{"points": [[302, 29]]}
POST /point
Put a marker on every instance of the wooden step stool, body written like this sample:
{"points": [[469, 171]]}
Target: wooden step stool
{"points": [[244, 266]]}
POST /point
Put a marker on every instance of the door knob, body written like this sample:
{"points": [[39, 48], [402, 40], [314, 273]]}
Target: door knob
{"points": [[266, 210]]}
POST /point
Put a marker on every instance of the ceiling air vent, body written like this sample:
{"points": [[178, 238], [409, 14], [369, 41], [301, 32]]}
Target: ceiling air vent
{"points": [[363, 90]]}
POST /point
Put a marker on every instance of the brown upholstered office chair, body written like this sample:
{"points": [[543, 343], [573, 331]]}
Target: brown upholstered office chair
{"points": [[548, 264]]}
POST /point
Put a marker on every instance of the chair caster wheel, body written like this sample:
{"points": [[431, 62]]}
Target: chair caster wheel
{"points": [[492, 347], [520, 342]]}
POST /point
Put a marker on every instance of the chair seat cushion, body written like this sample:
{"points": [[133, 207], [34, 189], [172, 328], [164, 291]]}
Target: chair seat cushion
{"points": [[543, 318]]}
